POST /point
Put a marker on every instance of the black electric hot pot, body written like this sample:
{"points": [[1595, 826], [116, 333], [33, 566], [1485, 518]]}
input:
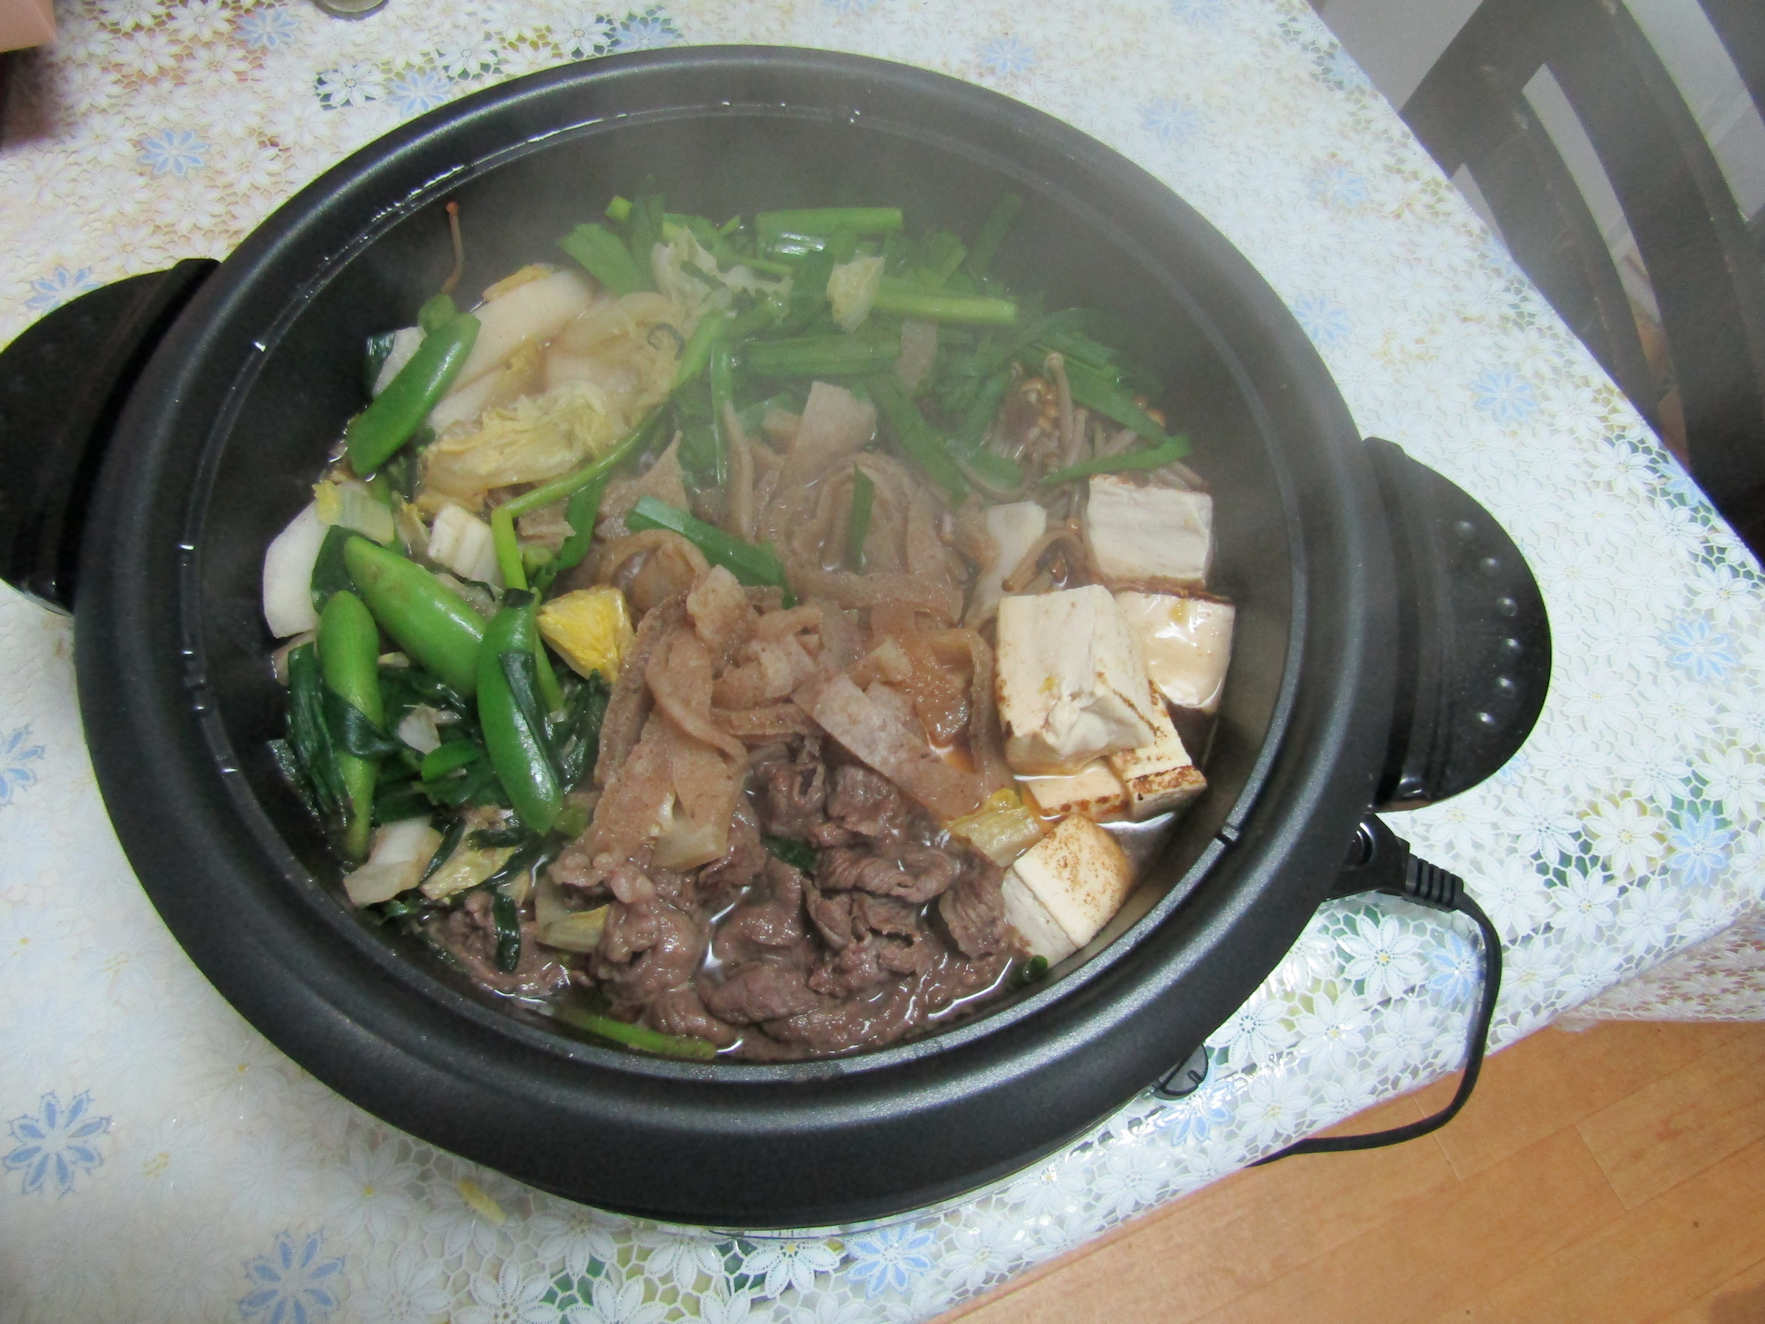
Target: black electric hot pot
{"points": [[1391, 645]]}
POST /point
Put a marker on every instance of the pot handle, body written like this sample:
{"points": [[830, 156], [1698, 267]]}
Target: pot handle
{"points": [[62, 386], [1472, 638]]}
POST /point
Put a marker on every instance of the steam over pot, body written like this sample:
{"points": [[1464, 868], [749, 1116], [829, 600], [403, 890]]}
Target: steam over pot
{"points": [[1352, 683]]}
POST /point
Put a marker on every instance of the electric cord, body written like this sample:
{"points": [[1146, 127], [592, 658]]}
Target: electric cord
{"points": [[1382, 863]]}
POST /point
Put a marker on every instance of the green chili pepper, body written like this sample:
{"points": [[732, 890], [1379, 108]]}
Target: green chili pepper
{"points": [[394, 416], [349, 653], [512, 718], [437, 311], [427, 619]]}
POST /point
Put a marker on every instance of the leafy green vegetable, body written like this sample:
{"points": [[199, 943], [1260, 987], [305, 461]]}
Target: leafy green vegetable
{"points": [[992, 233], [604, 256], [1166, 452], [800, 855], [750, 563], [916, 436]]}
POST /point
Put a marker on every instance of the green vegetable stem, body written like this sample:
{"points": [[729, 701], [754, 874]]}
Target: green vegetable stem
{"points": [[512, 717], [394, 416], [427, 619], [751, 563], [349, 662]]}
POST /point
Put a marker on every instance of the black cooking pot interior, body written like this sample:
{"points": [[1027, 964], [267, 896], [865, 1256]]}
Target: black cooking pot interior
{"points": [[221, 435]]}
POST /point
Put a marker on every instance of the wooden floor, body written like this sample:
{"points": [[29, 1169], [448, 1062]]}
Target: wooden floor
{"points": [[1612, 1175]]}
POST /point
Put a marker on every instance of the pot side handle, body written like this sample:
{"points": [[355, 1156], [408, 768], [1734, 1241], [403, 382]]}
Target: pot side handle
{"points": [[62, 386], [1473, 641]]}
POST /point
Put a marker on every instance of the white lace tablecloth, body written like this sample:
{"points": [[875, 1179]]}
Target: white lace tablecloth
{"points": [[162, 1161]]}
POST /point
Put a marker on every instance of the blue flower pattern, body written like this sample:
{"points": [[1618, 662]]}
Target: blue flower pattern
{"points": [[179, 152], [1455, 971], [292, 1284], [888, 1259], [1004, 56], [55, 1145], [417, 90], [266, 29], [17, 755], [1700, 842], [1335, 185], [55, 289], [645, 31], [1505, 396], [1169, 119], [1324, 320], [1698, 647]]}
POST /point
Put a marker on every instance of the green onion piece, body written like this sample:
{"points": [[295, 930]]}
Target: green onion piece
{"points": [[695, 355], [506, 915], [604, 256], [915, 435], [722, 401], [1103, 393], [330, 572], [858, 527], [981, 411], [822, 222], [449, 757], [636, 1036], [821, 356], [992, 233], [502, 519], [374, 355], [619, 210], [1166, 452], [907, 300], [999, 470], [750, 563], [800, 855]]}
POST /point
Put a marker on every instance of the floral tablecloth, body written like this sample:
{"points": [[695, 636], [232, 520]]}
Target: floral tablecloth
{"points": [[162, 1161]]}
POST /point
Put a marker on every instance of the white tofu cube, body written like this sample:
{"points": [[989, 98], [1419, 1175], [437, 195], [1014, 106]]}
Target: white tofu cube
{"points": [[1070, 680], [1147, 535], [1093, 791], [1078, 876], [1187, 642], [1159, 775], [1014, 528], [1031, 919]]}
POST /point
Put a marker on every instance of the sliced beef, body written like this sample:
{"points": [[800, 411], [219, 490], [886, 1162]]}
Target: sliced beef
{"points": [[973, 911], [758, 991], [863, 801], [681, 1011], [469, 933], [722, 881], [648, 946], [909, 872], [793, 796], [856, 968], [769, 922]]}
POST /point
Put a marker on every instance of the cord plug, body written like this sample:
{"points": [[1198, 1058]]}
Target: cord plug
{"points": [[1380, 861]]}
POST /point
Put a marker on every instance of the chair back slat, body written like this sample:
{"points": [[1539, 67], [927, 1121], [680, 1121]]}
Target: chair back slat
{"points": [[1471, 110]]}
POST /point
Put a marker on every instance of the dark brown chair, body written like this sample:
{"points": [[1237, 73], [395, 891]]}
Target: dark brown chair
{"points": [[1703, 264]]}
